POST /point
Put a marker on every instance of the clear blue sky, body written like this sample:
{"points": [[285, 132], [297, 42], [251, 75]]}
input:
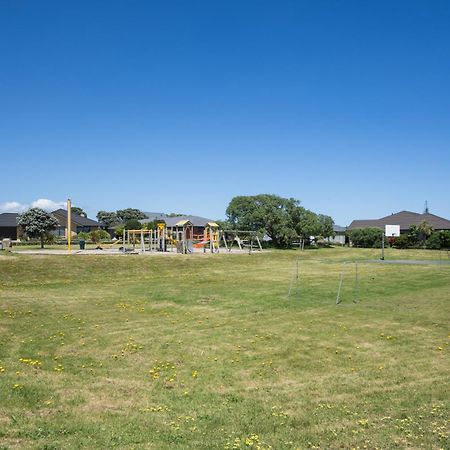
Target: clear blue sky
{"points": [[178, 106]]}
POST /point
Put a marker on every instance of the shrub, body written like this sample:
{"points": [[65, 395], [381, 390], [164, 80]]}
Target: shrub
{"points": [[434, 241], [82, 235], [445, 238], [118, 231], [97, 236], [366, 237], [132, 224], [402, 241]]}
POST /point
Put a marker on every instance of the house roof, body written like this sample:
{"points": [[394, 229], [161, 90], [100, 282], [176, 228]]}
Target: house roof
{"points": [[197, 221], [338, 228], [77, 219], [405, 219], [152, 216], [8, 219]]}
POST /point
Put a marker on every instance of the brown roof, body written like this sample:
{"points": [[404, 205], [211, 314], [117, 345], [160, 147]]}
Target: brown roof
{"points": [[405, 219]]}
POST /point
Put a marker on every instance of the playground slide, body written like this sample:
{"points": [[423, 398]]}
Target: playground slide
{"points": [[201, 244]]}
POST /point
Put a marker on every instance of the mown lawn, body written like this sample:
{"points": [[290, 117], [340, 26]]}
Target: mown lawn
{"points": [[207, 352]]}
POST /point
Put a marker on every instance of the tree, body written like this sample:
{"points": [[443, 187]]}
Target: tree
{"points": [[37, 223], [109, 218], [78, 210], [306, 223], [132, 224], [130, 213], [418, 234], [326, 225], [265, 213]]}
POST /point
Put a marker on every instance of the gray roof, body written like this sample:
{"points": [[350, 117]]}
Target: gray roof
{"points": [[338, 228], [8, 219], [77, 219], [152, 216], [405, 219], [197, 221]]}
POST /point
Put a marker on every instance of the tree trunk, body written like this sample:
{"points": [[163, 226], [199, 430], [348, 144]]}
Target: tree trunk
{"points": [[42, 241]]}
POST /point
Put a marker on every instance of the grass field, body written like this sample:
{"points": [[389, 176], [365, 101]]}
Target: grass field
{"points": [[207, 352]]}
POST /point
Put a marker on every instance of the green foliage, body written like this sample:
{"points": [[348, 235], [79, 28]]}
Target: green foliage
{"points": [[366, 237], [50, 238], [37, 223], [434, 241], [118, 231], [265, 213], [306, 223], [283, 219], [127, 214], [97, 236], [107, 217], [82, 235], [444, 236], [224, 224], [132, 224], [78, 210], [402, 241], [326, 224]]}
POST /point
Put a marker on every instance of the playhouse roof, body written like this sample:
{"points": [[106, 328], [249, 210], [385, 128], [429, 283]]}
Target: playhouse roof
{"points": [[182, 223]]}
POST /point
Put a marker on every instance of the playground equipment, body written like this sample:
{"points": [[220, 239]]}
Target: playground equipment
{"points": [[243, 239], [210, 238], [179, 237]]}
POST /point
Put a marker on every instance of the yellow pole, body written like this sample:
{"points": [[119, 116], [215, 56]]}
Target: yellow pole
{"points": [[69, 224]]}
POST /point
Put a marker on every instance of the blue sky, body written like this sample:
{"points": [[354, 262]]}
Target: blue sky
{"points": [[179, 106]]}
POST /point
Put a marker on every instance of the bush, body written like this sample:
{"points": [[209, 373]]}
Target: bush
{"points": [[366, 237], [82, 235], [118, 231], [97, 236], [434, 241], [444, 236], [132, 224], [402, 241], [50, 238]]}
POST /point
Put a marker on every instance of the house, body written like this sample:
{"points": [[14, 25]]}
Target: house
{"points": [[339, 235], [78, 223], [405, 219], [8, 226]]}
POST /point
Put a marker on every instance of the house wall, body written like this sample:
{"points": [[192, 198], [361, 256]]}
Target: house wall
{"points": [[9, 233], [338, 239]]}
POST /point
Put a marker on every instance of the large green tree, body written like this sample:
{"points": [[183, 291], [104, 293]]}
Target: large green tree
{"points": [[37, 223], [306, 223], [130, 213], [107, 217], [78, 210], [327, 226], [265, 213]]}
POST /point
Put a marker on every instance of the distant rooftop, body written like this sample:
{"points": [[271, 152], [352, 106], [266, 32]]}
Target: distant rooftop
{"points": [[77, 219], [197, 221], [405, 219]]}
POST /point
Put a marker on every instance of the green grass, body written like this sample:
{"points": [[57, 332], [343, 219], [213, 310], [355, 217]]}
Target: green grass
{"points": [[207, 352]]}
